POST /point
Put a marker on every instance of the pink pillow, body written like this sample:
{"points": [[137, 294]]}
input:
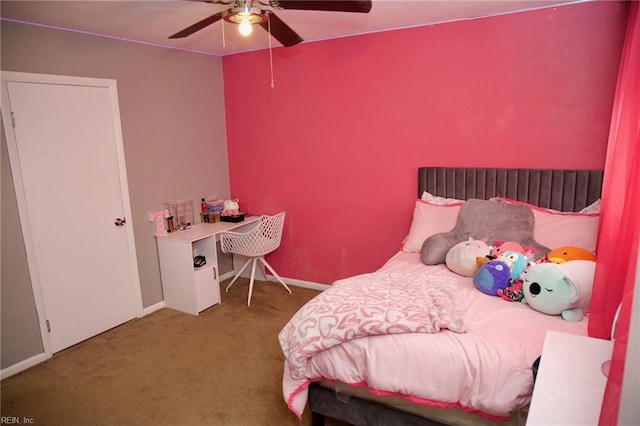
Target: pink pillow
{"points": [[556, 230], [429, 219], [561, 229]]}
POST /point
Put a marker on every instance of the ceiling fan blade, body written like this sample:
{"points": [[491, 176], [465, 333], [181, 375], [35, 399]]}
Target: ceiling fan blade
{"points": [[359, 6], [199, 25], [281, 31]]}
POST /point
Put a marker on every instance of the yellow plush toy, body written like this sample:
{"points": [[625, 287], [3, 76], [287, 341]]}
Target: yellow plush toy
{"points": [[565, 254]]}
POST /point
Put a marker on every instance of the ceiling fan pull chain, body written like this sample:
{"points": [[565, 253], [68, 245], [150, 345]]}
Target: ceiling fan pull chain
{"points": [[273, 86], [224, 42]]}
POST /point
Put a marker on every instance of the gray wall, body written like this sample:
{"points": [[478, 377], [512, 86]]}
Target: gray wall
{"points": [[173, 126]]}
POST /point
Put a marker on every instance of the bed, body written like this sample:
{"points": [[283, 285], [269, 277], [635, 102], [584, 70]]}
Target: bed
{"points": [[427, 346]]}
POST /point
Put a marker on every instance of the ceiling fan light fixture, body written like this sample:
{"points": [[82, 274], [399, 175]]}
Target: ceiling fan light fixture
{"points": [[245, 17], [245, 28], [251, 15]]}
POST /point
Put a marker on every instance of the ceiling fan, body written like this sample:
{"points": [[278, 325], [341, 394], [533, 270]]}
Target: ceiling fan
{"points": [[249, 12]]}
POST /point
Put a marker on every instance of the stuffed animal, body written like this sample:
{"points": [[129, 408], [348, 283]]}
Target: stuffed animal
{"points": [[461, 258], [513, 293], [564, 254], [231, 207], [482, 260], [500, 247], [492, 276], [559, 289], [516, 261]]}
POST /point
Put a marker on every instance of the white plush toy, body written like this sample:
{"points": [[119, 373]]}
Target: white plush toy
{"points": [[560, 289], [462, 257], [231, 207]]}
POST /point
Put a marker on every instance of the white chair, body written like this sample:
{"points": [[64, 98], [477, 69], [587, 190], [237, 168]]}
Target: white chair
{"points": [[255, 244]]}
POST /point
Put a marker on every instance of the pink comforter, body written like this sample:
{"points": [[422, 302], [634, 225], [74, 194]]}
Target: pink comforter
{"points": [[369, 305], [485, 370]]}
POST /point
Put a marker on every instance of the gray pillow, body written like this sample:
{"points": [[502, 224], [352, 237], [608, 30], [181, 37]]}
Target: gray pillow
{"points": [[488, 220]]}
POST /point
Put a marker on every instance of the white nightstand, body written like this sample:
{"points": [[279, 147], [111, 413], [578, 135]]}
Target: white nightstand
{"points": [[570, 384]]}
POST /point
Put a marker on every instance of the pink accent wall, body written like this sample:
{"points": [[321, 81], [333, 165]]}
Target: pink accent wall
{"points": [[338, 142]]}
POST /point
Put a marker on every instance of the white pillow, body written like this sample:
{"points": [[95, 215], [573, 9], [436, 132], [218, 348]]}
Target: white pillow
{"points": [[429, 219], [440, 201], [592, 208]]}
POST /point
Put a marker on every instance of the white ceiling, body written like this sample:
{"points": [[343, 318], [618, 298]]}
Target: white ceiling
{"points": [[152, 22]]}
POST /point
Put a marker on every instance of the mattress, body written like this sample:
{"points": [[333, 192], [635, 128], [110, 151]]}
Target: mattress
{"points": [[485, 370]]}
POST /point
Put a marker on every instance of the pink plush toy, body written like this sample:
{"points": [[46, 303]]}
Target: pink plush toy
{"points": [[513, 293], [500, 247]]}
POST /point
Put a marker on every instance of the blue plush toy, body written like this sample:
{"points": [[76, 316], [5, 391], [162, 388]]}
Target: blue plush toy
{"points": [[492, 276], [560, 289], [516, 261]]}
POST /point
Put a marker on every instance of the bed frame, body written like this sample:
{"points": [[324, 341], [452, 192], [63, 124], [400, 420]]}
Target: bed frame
{"points": [[563, 190]]}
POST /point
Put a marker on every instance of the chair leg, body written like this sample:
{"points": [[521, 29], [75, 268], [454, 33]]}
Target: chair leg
{"points": [[253, 272], [262, 259], [238, 274]]}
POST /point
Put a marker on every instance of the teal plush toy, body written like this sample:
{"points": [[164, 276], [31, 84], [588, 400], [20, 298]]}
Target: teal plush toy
{"points": [[560, 289], [516, 261]]}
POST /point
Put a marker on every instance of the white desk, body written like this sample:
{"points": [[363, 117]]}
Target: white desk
{"points": [[185, 287], [570, 383]]}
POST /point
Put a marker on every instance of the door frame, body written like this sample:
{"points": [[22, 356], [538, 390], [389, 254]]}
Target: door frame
{"points": [[14, 160]]}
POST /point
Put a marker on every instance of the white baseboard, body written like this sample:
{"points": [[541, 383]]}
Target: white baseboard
{"points": [[22, 365], [300, 283], [226, 275], [151, 309], [288, 281]]}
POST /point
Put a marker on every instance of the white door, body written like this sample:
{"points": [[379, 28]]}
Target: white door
{"points": [[65, 137]]}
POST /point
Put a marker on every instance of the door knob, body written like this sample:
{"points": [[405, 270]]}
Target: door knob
{"points": [[120, 221]]}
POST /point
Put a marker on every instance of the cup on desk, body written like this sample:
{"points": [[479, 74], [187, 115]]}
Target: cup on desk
{"points": [[209, 217]]}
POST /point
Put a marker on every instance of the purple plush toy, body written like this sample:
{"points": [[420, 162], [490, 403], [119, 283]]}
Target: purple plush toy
{"points": [[492, 276]]}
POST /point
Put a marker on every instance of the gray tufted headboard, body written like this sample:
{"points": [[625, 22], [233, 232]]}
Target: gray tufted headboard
{"points": [[563, 190]]}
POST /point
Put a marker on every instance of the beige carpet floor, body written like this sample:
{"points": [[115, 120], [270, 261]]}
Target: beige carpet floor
{"points": [[223, 367]]}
